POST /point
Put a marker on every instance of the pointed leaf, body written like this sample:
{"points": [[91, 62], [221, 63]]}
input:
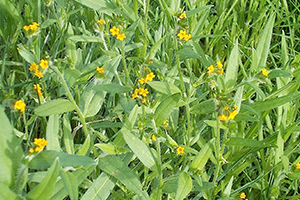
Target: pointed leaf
{"points": [[232, 67], [184, 186], [52, 133], [57, 106], [201, 158], [164, 87], [70, 183]]}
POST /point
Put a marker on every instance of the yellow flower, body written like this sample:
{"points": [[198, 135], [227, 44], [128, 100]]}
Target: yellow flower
{"points": [[264, 72], [225, 108], [165, 122], [223, 117], [143, 92], [180, 150], [150, 76], [114, 31], [100, 70], [20, 105], [134, 95], [39, 143], [101, 21], [26, 28], [33, 67], [221, 72], [143, 80], [144, 100], [121, 36], [44, 63], [219, 64], [297, 166], [182, 15], [31, 150], [187, 37], [181, 34], [243, 195], [34, 26], [38, 88], [232, 114], [210, 69], [153, 137], [38, 74]]}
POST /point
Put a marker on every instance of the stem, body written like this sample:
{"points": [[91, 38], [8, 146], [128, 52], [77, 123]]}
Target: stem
{"points": [[124, 64]]}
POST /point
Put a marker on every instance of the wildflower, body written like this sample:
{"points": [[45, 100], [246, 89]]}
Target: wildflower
{"points": [[38, 74], [143, 80], [39, 143], [44, 63], [144, 100], [101, 21], [219, 64], [242, 195], [121, 36], [31, 150], [26, 28], [210, 69], [232, 114], [33, 67], [186, 27], [38, 88], [134, 95], [20, 105], [225, 108], [221, 72], [150, 76], [182, 15], [143, 92], [114, 31], [181, 34], [100, 70], [187, 37], [153, 137], [165, 122], [223, 117], [180, 150], [297, 166], [150, 62], [264, 72]]}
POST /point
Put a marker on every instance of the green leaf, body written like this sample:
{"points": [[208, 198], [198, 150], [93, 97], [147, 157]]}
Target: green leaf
{"points": [[67, 136], [269, 104], [228, 188], [279, 73], [71, 75], [232, 67], [101, 188], [213, 123], [201, 158], [184, 186], [27, 54], [52, 133], [103, 6], [45, 188], [70, 183], [21, 179], [197, 10], [248, 142], [85, 38], [165, 108], [11, 153], [188, 53], [44, 159], [85, 147], [139, 148], [155, 48], [204, 107], [112, 88], [115, 167], [164, 87], [57, 106], [6, 193], [130, 121]]}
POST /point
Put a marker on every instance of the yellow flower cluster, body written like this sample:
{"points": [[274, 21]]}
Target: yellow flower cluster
{"points": [[180, 150], [34, 26], [183, 35], [148, 77], [20, 105], [35, 68], [39, 145], [297, 166], [243, 196], [101, 21], [182, 15], [140, 91], [264, 72], [230, 115], [38, 88], [100, 70], [115, 32], [217, 68]]}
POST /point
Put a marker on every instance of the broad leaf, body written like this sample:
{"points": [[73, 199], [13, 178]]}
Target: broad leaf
{"points": [[57, 106]]}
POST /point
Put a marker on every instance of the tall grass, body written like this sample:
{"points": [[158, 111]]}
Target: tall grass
{"points": [[218, 120]]}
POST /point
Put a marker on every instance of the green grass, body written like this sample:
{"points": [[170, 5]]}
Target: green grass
{"points": [[100, 139]]}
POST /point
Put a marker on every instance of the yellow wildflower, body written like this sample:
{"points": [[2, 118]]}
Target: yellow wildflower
{"points": [[297, 166], [221, 72], [101, 21], [114, 31], [38, 74], [38, 88], [31, 150], [44, 63], [242, 195], [180, 150], [165, 122], [210, 69], [264, 72], [182, 15], [134, 95], [181, 34], [225, 108], [143, 80], [33, 67], [143, 92], [39, 143], [150, 76], [144, 100], [121, 36], [153, 137], [20, 105], [219, 64], [26, 28], [232, 114], [187, 37], [223, 117], [100, 70], [34, 26]]}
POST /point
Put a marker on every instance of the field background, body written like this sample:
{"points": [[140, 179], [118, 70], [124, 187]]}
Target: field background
{"points": [[197, 134]]}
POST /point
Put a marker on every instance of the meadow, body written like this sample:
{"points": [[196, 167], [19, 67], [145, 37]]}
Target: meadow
{"points": [[162, 99]]}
